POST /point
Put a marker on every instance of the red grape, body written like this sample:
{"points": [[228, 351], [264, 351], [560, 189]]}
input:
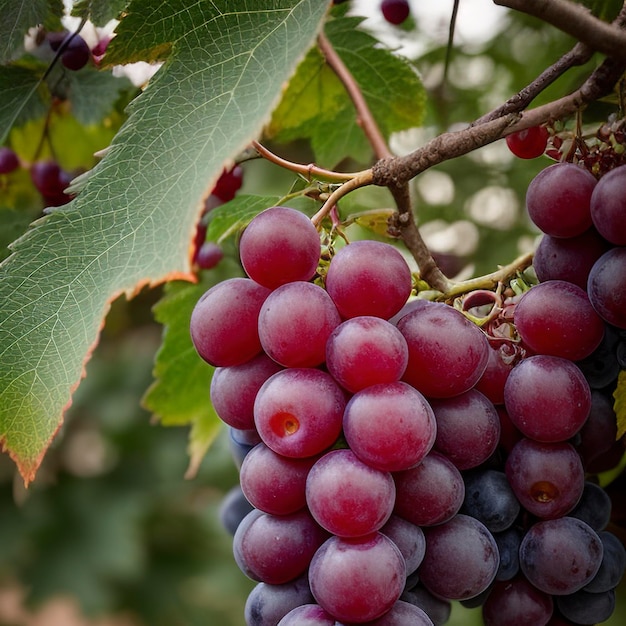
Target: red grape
{"points": [[280, 245], [395, 11], [517, 603], [8, 160], [608, 206], [529, 143], [606, 287]]}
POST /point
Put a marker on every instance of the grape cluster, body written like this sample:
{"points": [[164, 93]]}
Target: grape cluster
{"points": [[395, 457]]}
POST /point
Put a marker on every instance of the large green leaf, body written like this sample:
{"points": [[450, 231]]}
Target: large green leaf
{"points": [[98, 11], [20, 15], [316, 104], [134, 220]]}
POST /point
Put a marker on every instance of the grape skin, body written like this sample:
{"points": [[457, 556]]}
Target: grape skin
{"points": [[608, 206], [606, 286], [517, 603]]}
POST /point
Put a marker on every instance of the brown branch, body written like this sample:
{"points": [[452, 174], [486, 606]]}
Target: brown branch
{"points": [[365, 119], [399, 170], [576, 21]]}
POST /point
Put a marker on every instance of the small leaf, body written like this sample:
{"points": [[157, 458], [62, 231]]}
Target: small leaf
{"points": [[620, 404], [231, 217], [20, 15]]}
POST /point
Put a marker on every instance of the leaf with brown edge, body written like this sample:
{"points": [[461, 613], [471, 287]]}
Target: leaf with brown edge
{"points": [[133, 222]]}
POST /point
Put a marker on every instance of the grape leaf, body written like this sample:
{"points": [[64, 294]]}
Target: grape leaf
{"points": [[18, 16], [98, 11], [23, 97], [231, 217], [316, 105], [134, 220], [620, 404]]}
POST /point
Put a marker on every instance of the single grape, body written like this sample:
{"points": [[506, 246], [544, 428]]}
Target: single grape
{"points": [[295, 323], [594, 507], [430, 493], [547, 398], [503, 356], [46, 176], [347, 497], [209, 255], [461, 559], [76, 54], [547, 478], [447, 353], [280, 245], [8, 160], [601, 368], [599, 432], [570, 258], [401, 614], [468, 428], [241, 442], [409, 539], [560, 556], [224, 322], [229, 183], [490, 499], [276, 549], [389, 426], [298, 412], [608, 206], [517, 603], [529, 143], [233, 509], [308, 615], [365, 351], [273, 483], [368, 278], [357, 579], [267, 604], [395, 11], [509, 434], [583, 607], [607, 286], [508, 541], [612, 567], [234, 390], [558, 200], [437, 609], [556, 318]]}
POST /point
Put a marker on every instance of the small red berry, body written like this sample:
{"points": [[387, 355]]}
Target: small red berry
{"points": [[529, 143]]}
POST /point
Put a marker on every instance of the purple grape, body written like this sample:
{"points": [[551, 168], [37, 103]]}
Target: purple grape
{"points": [[560, 556], [368, 278], [267, 604], [461, 559], [547, 478], [389, 426], [233, 509], [8, 160], [517, 603], [307, 615], [395, 11], [447, 353], [508, 541], [401, 614], [76, 54], [599, 432], [547, 398], [365, 351], [295, 323], [594, 507], [272, 483], [224, 322], [612, 567], [347, 497], [280, 245], [430, 493], [556, 318], [606, 287], [276, 549], [437, 609], [234, 390], [608, 206], [468, 428], [558, 200], [583, 607], [357, 579], [209, 254], [409, 539], [298, 412], [569, 259]]}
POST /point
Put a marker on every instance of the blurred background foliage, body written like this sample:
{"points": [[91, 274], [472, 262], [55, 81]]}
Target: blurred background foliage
{"points": [[110, 525]]}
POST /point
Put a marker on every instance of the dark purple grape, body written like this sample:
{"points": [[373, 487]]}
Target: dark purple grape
{"points": [[409, 539], [517, 603], [401, 614], [612, 567], [594, 507], [560, 556], [46, 176], [508, 541], [395, 11], [583, 607], [461, 559], [607, 287], [77, 53], [307, 615], [437, 609], [233, 509], [8, 160], [599, 432], [267, 604], [608, 206], [209, 255]]}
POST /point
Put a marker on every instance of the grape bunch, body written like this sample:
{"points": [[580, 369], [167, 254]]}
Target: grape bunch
{"points": [[395, 457]]}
